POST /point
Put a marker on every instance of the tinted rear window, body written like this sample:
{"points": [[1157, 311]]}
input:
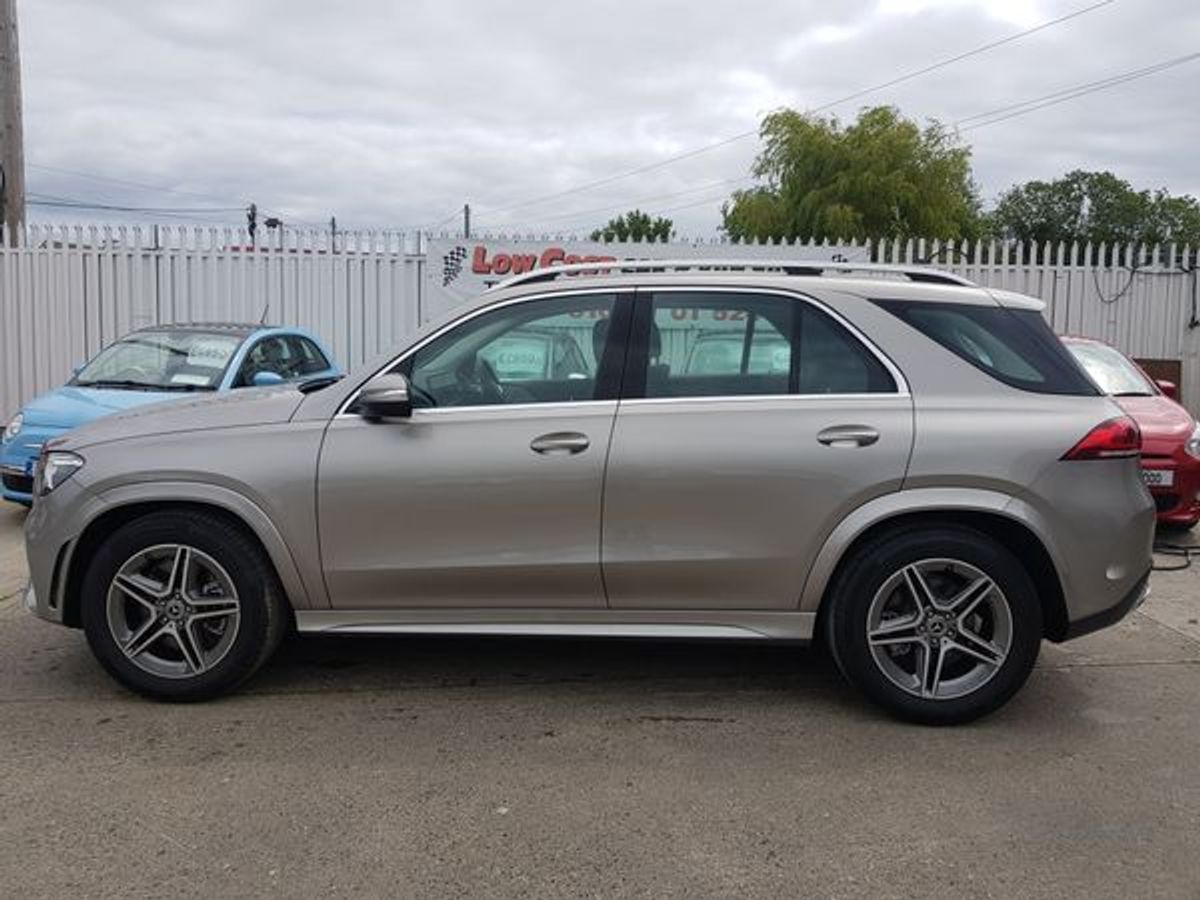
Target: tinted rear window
{"points": [[1014, 346]]}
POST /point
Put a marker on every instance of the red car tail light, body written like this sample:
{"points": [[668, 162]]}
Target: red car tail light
{"points": [[1112, 439]]}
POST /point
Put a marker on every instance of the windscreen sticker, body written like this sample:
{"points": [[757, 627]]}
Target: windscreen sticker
{"points": [[185, 378], [213, 353]]}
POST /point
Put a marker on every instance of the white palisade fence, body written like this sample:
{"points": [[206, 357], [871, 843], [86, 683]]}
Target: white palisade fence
{"points": [[67, 291]]}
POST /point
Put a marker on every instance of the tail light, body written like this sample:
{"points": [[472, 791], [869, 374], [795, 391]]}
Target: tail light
{"points": [[1109, 440]]}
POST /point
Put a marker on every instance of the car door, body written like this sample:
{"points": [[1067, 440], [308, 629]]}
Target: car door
{"points": [[729, 466], [490, 494]]}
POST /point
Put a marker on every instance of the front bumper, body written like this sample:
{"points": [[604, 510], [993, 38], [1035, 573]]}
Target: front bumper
{"points": [[1178, 503], [51, 536], [1115, 613], [17, 483], [17, 459]]}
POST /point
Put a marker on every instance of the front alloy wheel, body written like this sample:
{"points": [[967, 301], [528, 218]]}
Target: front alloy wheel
{"points": [[173, 610], [182, 604]]}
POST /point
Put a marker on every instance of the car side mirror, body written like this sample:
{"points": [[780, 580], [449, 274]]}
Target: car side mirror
{"points": [[386, 397], [1170, 388], [266, 379]]}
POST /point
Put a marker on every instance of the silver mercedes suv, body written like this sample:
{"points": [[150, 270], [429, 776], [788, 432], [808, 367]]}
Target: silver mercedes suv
{"points": [[892, 460]]}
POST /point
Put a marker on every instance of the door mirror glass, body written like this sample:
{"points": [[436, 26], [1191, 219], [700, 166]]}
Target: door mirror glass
{"points": [[1170, 388], [265, 379], [386, 397]]}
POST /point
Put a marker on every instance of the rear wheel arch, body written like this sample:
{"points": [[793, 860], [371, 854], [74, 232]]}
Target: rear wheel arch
{"points": [[105, 524], [1013, 535]]}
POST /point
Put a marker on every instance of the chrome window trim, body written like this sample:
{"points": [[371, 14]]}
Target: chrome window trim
{"points": [[438, 411], [726, 398], [902, 388]]}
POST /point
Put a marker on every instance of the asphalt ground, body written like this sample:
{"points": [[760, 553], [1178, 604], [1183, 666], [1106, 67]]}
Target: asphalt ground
{"points": [[517, 768]]}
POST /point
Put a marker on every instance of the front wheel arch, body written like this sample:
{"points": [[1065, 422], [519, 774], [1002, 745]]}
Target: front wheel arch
{"points": [[97, 530]]}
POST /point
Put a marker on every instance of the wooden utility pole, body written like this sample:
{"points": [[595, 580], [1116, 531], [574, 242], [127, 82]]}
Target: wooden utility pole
{"points": [[12, 139]]}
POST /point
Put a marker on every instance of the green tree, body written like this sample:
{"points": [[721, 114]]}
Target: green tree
{"points": [[1097, 207], [635, 226], [882, 177]]}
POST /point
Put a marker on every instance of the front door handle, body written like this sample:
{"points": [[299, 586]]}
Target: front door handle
{"points": [[848, 436], [560, 443]]}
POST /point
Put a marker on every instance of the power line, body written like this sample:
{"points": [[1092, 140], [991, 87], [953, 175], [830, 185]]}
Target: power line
{"points": [[983, 48], [1013, 110], [716, 145], [579, 214], [50, 200], [91, 176]]}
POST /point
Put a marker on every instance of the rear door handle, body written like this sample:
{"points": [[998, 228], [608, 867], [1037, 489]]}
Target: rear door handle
{"points": [[848, 436], [560, 443]]}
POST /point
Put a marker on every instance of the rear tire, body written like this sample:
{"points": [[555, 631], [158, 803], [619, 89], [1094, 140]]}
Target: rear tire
{"points": [[182, 605], [937, 625]]}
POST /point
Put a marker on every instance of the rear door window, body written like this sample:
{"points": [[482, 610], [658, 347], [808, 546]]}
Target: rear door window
{"points": [[1014, 346], [730, 344]]}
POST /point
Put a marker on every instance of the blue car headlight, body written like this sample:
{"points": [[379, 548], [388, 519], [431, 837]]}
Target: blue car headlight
{"points": [[13, 428], [54, 468]]}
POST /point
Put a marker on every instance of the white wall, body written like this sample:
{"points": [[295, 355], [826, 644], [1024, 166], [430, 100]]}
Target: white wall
{"points": [[65, 292]]}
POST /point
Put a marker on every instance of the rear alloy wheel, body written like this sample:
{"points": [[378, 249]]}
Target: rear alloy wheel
{"points": [[181, 605], [937, 625], [939, 629]]}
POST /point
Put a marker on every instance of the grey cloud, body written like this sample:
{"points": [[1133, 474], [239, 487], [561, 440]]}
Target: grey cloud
{"points": [[389, 114]]}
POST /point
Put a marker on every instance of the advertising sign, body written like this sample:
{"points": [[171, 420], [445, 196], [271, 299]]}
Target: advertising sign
{"points": [[457, 270]]}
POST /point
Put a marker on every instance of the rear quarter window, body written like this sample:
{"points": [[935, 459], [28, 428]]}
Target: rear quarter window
{"points": [[1014, 346]]}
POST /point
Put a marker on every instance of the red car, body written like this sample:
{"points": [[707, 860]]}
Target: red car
{"points": [[1170, 436]]}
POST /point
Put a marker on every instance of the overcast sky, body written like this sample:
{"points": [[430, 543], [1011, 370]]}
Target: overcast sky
{"points": [[392, 114]]}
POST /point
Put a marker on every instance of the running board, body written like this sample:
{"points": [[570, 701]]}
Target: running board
{"points": [[673, 624]]}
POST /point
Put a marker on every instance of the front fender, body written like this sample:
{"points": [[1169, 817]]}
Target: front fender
{"points": [[920, 500], [202, 493]]}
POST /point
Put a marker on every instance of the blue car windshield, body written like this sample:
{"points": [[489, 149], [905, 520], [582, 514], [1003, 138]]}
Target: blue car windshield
{"points": [[184, 360]]}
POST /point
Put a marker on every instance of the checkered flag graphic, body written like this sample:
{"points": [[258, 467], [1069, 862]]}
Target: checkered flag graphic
{"points": [[452, 264]]}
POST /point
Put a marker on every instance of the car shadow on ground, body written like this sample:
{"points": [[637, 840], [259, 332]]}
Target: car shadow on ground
{"points": [[676, 680], [471, 661]]}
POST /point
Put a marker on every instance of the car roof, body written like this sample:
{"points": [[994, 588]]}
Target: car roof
{"points": [[870, 287], [238, 329], [872, 280]]}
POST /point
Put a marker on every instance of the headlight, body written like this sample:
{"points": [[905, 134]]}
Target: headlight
{"points": [[14, 426], [1193, 443], [54, 468]]}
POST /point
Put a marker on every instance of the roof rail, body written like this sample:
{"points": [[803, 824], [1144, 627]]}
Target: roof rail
{"points": [[799, 267]]}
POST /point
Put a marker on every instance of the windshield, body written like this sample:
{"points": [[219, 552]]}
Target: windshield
{"points": [[1112, 370], [166, 360]]}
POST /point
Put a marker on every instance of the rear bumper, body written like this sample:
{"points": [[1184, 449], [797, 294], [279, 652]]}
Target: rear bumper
{"points": [[1113, 614]]}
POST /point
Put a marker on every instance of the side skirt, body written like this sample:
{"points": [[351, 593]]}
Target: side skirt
{"points": [[628, 623]]}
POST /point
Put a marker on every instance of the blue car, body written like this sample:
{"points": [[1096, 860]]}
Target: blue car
{"points": [[151, 365]]}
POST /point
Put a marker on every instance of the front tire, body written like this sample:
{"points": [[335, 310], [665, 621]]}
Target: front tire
{"points": [[937, 625], [181, 605]]}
